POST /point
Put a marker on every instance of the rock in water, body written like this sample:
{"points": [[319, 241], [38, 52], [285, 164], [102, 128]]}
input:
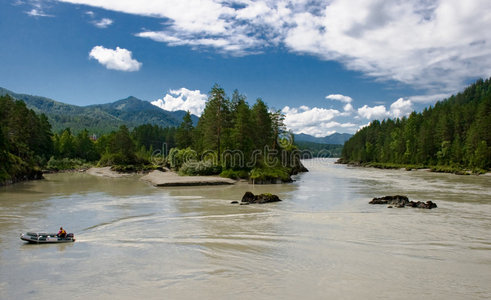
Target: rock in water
{"points": [[402, 201], [259, 199], [396, 200], [248, 197], [420, 204]]}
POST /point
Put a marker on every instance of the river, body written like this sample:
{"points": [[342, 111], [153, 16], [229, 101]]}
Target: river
{"points": [[323, 241]]}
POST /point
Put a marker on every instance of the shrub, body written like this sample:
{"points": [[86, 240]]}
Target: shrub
{"points": [[193, 168], [66, 164], [235, 174], [270, 174], [177, 157]]}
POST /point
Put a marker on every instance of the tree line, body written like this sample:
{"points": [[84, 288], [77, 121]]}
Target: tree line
{"points": [[231, 138], [453, 135]]}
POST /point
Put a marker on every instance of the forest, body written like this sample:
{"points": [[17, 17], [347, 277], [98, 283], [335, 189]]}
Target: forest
{"points": [[453, 136], [232, 139]]}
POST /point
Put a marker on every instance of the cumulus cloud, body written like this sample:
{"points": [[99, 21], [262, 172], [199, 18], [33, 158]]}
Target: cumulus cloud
{"points": [[115, 59], [348, 108], [321, 121], [103, 23], [314, 121], [375, 112], [338, 97], [398, 109], [401, 108], [434, 45], [183, 99]]}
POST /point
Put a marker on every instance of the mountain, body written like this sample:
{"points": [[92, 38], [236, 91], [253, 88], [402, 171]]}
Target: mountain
{"points": [[100, 118], [335, 138]]}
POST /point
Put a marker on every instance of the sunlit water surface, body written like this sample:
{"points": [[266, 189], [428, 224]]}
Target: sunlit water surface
{"points": [[323, 241]]}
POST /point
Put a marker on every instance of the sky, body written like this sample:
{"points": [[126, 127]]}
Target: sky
{"points": [[329, 66]]}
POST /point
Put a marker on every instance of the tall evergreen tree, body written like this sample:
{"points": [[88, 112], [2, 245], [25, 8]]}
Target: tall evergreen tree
{"points": [[455, 132], [214, 120], [184, 134], [262, 125]]}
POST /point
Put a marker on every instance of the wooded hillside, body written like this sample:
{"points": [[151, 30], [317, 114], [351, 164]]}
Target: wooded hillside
{"points": [[455, 133]]}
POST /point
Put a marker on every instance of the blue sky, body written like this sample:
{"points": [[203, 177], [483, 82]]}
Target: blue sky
{"points": [[330, 66]]}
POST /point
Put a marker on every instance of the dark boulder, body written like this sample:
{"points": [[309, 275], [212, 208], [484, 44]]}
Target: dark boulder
{"points": [[420, 204], [397, 200], [259, 199], [402, 201]]}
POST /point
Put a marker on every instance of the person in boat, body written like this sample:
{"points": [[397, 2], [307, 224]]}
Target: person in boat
{"points": [[61, 233]]}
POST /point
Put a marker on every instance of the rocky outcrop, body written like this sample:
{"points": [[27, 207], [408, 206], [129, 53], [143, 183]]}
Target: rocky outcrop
{"points": [[402, 201], [397, 200], [250, 198], [421, 204]]}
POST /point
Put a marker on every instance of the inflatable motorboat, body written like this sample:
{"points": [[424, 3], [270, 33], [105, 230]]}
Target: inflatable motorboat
{"points": [[45, 238]]}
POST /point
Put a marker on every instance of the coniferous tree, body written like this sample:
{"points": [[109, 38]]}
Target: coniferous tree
{"points": [[184, 134], [262, 125], [455, 132], [214, 121]]}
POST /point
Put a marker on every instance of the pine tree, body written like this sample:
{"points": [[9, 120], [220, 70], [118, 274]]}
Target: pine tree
{"points": [[184, 134], [214, 120], [262, 125]]}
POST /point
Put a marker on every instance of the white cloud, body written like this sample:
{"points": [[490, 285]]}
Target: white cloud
{"points": [[38, 9], [37, 13], [434, 45], [314, 121], [183, 99], [348, 108], [431, 98], [338, 97], [103, 23], [401, 108], [119, 59], [375, 112], [398, 109]]}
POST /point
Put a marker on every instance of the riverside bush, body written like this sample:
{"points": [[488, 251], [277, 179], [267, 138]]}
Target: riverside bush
{"points": [[177, 157], [66, 164], [194, 168], [235, 174], [270, 174]]}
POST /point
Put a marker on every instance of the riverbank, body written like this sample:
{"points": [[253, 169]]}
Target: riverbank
{"points": [[411, 167], [159, 178], [106, 172]]}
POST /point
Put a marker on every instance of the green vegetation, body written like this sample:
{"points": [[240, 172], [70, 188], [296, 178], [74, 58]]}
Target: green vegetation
{"points": [[234, 140], [453, 136], [25, 141], [312, 149], [231, 138]]}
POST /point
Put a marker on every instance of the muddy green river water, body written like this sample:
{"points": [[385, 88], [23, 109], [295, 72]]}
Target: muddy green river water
{"points": [[323, 241]]}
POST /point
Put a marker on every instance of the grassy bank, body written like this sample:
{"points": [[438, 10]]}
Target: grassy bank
{"points": [[439, 169]]}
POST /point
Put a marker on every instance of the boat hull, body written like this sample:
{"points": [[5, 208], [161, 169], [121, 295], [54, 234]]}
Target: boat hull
{"points": [[46, 238]]}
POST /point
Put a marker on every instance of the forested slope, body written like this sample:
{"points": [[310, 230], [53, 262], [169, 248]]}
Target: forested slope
{"points": [[454, 134]]}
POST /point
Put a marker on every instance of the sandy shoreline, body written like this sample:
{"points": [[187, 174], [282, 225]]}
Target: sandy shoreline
{"points": [[159, 178], [106, 172]]}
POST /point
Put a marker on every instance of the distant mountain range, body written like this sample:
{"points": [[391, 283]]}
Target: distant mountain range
{"points": [[100, 118], [335, 138]]}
